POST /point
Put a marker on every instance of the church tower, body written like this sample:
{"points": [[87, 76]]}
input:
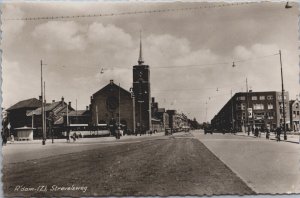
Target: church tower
{"points": [[142, 93]]}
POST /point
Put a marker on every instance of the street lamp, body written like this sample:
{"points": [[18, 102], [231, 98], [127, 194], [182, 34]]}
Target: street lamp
{"points": [[133, 108]]}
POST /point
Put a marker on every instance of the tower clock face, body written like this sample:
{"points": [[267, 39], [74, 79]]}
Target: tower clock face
{"points": [[112, 103]]}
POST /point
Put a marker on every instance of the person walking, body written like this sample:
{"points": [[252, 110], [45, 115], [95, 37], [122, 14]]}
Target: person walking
{"points": [[4, 139], [267, 134], [256, 132], [278, 133], [12, 138]]}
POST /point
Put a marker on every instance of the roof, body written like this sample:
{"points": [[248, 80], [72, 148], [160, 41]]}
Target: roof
{"points": [[31, 103], [49, 107], [112, 85], [79, 113]]}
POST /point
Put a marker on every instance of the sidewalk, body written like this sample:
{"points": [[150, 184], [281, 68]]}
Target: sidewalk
{"points": [[290, 138], [87, 140], [265, 165]]}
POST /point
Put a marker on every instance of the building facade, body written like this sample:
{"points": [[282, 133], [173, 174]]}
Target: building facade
{"points": [[248, 110], [295, 115], [17, 114], [112, 102]]}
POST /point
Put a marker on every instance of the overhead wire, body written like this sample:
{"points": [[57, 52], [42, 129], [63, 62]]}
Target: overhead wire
{"points": [[67, 17]]}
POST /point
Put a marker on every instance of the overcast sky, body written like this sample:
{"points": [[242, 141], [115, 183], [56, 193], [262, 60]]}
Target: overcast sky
{"points": [[75, 50]]}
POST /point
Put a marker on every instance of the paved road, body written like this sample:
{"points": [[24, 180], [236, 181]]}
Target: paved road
{"points": [[22, 151], [265, 165], [173, 165]]}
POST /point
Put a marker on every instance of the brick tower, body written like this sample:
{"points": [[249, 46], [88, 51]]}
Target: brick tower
{"points": [[142, 93]]}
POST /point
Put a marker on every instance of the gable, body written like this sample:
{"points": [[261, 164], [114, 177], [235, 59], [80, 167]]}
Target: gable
{"points": [[112, 88]]}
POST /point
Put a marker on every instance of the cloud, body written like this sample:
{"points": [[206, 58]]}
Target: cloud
{"points": [[16, 86], [108, 36], [11, 29], [60, 35]]}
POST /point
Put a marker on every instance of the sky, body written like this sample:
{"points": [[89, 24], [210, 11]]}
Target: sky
{"points": [[190, 52]]}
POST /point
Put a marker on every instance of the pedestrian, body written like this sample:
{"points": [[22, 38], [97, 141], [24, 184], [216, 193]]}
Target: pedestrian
{"points": [[4, 139], [256, 132], [278, 133], [12, 138], [267, 134]]}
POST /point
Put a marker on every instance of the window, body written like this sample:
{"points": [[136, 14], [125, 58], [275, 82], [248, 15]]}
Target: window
{"points": [[259, 116], [281, 106], [243, 106], [241, 98], [270, 115], [270, 106], [297, 105], [254, 97], [258, 106], [297, 112], [270, 98], [262, 97], [280, 98]]}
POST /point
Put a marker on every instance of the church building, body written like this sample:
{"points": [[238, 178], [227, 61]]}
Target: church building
{"points": [[131, 109], [112, 102]]}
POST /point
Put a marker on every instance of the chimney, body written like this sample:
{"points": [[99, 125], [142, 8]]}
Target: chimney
{"points": [[87, 108], [153, 99], [40, 98], [53, 101], [62, 99], [69, 104], [111, 81]]}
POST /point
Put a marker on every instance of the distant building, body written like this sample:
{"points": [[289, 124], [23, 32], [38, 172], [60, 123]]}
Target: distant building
{"points": [[106, 105], [248, 110], [17, 114], [79, 117], [58, 108], [159, 118], [295, 115]]}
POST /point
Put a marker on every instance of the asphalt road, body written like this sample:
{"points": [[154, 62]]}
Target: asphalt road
{"points": [[267, 166], [163, 166]]}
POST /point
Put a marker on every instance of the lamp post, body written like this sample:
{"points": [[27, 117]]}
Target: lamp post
{"points": [[282, 97], [133, 108]]}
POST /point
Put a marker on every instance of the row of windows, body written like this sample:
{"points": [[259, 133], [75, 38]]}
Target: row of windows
{"points": [[295, 113], [257, 116], [270, 97], [260, 106]]}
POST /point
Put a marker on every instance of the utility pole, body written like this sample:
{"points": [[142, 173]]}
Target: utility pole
{"points": [[247, 113], [44, 112], [232, 120], [206, 111], [282, 96], [76, 113], [42, 109], [119, 107]]}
